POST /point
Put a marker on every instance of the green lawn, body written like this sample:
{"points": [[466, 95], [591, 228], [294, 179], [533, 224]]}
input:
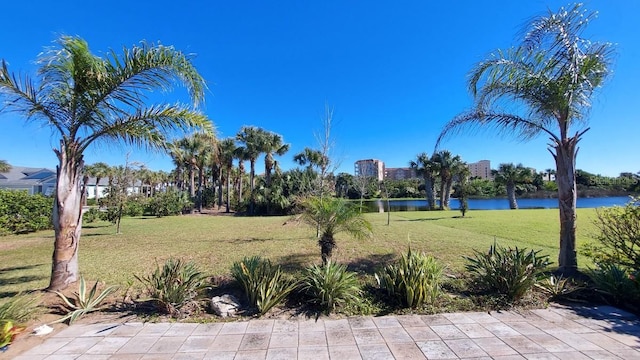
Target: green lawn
{"points": [[215, 242]]}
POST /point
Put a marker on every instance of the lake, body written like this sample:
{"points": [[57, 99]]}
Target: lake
{"points": [[494, 204]]}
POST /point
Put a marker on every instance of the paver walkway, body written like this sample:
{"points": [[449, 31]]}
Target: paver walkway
{"points": [[555, 333]]}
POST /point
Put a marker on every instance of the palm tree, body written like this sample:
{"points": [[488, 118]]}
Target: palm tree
{"points": [[553, 74], [98, 170], [242, 155], [447, 165], [425, 167], [510, 176], [332, 216], [4, 166], [253, 139], [86, 98], [272, 145], [227, 151]]}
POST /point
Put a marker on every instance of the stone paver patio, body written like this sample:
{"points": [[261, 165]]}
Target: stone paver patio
{"points": [[558, 332]]}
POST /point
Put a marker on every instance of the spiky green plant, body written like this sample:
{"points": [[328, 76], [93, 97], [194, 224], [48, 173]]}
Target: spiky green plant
{"points": [[330, 285], [414, 279], [557, 286], [505, 271], [615, 281], [82, 302], [264, 284], [174, 285], [20, 308]]}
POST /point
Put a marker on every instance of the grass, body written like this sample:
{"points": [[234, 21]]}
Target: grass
{"points": [[216, 242]]}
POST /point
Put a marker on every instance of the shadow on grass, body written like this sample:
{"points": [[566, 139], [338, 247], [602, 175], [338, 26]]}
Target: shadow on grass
{"points": [[370, 264], [20, 279], [297, 262], [94, 226], [19, 268], [429, 219]]}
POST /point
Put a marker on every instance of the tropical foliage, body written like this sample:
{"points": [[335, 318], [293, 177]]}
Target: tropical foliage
{"points": [[82, 302], [552, 75], [330, 285], [331, 216], [22, 213], [86, 98], [511, 176]]}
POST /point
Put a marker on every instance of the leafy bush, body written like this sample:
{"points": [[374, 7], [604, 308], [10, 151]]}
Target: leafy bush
{"points": [[505, 271], [83, 303], [175, 286], [20, 309], [616, 282], [330, 285], [263, 283], [135, 206], [414, 279], [168, 203], [23, 213], [91, 215], [619, 238]]}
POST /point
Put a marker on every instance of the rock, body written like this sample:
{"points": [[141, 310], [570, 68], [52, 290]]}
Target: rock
{"points": [[225, 305]]}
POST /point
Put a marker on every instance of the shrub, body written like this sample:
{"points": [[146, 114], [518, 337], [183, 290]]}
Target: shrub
{"points": [[168, 203], [19, 309], [174, 287], [83, 302], [23, 213], [91, 215], [619, 238], [263, 283], [414, 280], [135, 206], [330, 285], [616, 282], [505, 271]]}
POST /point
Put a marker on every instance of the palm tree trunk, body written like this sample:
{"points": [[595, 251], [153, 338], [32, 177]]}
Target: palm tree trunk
{"points": [[511, 194], [240, 176], [565, 157], [220, 189], [447, 194], [253, 184], [200, 185], [428, 189], [443, 189], [67, 218], [228, 188], [327, 243]]}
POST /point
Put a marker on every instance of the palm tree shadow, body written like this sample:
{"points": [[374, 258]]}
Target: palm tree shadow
{"points": [[428, 219], [370, 264]]}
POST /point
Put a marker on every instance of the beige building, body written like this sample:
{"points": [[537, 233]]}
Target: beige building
{"points": [[399, 173], [481, 169], [370, 168]]}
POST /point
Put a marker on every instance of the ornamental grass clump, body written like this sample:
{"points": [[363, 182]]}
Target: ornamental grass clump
{"points": [[175, 287], [330, 285], [264, 284], [508, 272], [414, 280]]}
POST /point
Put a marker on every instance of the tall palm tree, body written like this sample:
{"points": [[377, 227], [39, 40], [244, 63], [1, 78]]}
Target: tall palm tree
{"points": [[86, 98], [510, 176], [447, 166], [425, 167], [227, 152], [332, 216], [100, 171], [272, 144], [253, 139], [242, 155], [552, 75], [4, 166]]}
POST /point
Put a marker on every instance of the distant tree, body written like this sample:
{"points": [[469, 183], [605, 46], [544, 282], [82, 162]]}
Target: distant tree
{"points": [[427, 168], [447, 166], [510, 176], [227, 151], [100, 171], [552, 76], [252, 139], [87, 98]]}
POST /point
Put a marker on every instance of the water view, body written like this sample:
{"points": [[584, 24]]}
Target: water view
{"points": [[494, 204]]}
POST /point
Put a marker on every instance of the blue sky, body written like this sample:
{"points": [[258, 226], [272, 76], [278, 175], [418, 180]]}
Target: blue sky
{"points": [[394, 73]]}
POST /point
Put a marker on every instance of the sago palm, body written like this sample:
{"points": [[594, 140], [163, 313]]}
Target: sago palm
{"points": [[86, 98], [331, 216], [551, 77]]}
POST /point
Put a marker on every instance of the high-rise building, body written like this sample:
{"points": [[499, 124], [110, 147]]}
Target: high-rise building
{"points": [[370, 168], [399, 173], [481, 169]]}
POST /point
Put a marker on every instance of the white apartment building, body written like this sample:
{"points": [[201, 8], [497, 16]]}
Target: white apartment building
{"points": [[370, 168], [481, 169]]}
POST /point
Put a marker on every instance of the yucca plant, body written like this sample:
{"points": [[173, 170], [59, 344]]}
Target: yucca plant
{"points": [[330, 285], [83, 302], [20, 308], [557, 286], [174, 285], [263, 283], [616, 281], [414, 279], [506, 271]]}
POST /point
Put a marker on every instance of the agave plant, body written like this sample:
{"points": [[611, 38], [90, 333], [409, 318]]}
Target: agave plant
{"points": [[83, 302]]}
